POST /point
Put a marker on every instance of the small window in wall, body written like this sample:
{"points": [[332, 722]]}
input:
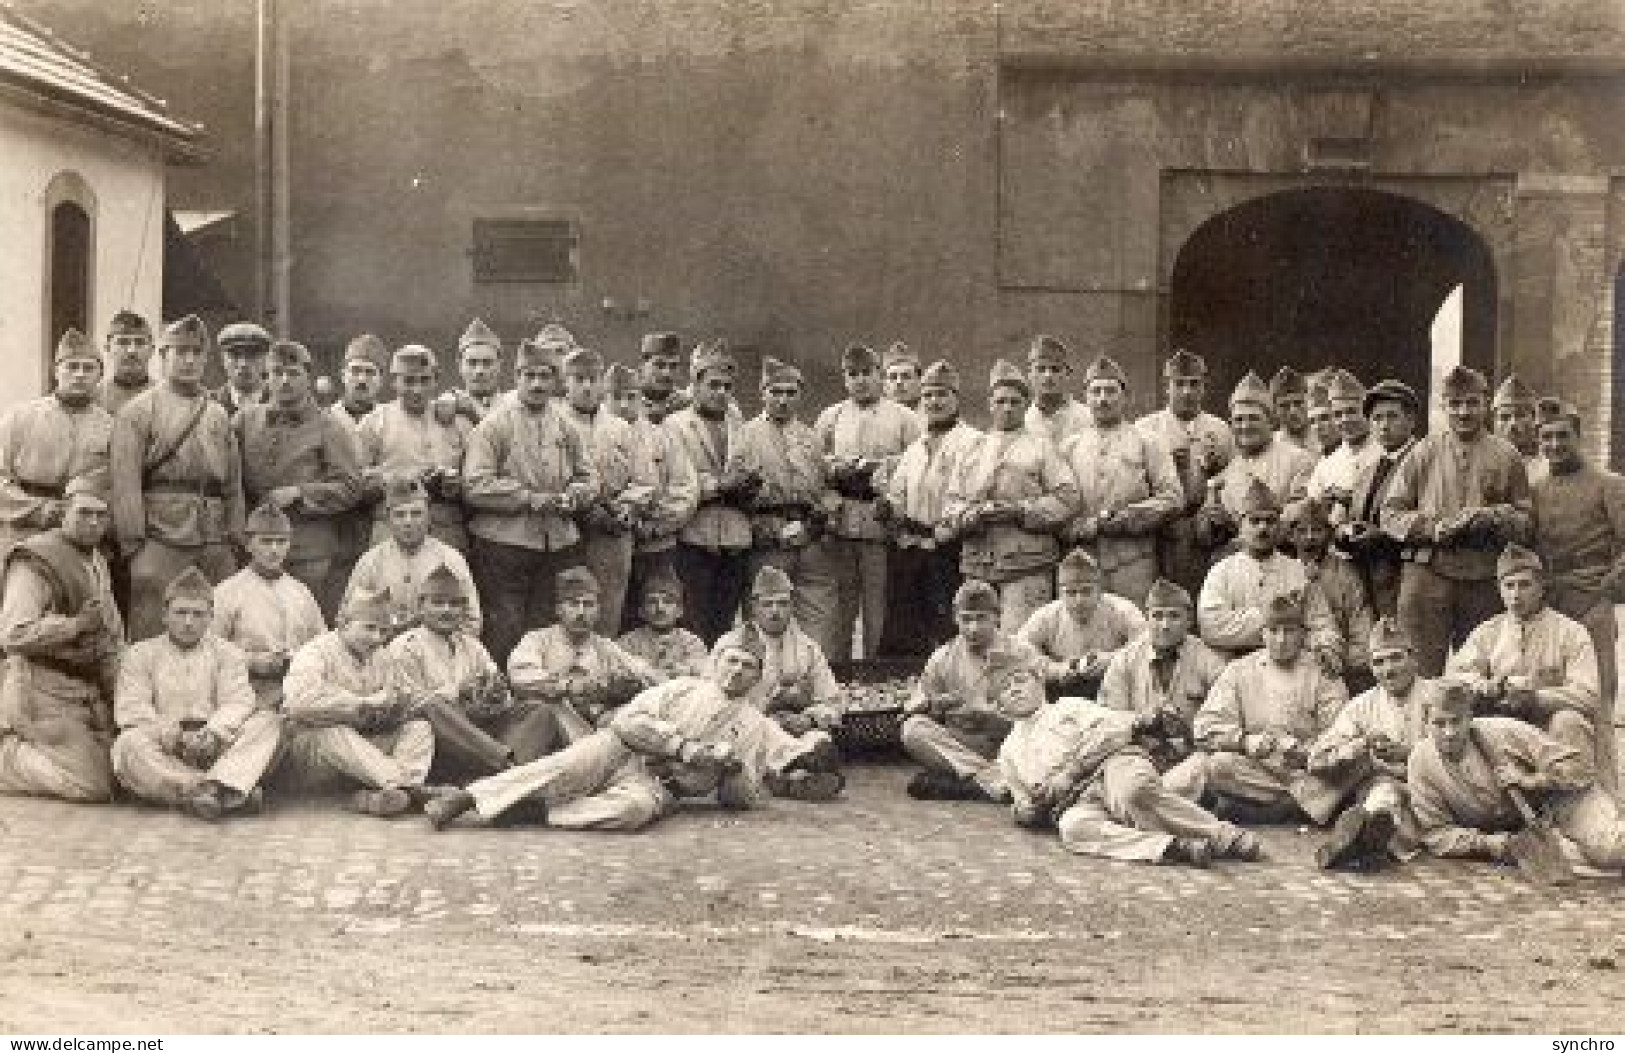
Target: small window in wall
{"points": [[70, 270], [525, 250]]}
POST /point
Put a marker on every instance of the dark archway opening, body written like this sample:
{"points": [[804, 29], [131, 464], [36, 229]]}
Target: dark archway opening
{"points": [[70, 271], [1330, 276]]}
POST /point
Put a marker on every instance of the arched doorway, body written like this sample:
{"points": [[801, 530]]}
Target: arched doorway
{"points": [[1323, 276]]}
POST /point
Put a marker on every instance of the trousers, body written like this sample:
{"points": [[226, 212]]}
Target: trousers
{"points": [[1596, 613], [397, 758], [596, 783], [715, 581], [1438, 612], [939, 748], [920, 588], [155, 565], [860, 591], [58, 743], [517, 590], [609, 557], [1129, 814], [151, 773]]}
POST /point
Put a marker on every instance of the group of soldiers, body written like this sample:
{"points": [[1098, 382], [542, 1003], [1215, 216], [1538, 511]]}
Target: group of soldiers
{"points": [[581, 599]]}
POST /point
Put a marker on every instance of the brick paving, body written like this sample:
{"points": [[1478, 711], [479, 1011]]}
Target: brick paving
{"points": [[876, 866]]}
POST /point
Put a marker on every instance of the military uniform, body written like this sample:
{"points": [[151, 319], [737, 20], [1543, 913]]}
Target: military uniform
{"points": [[527, 472], [45, 443], [56, 699], [1029, 491], [1059, 422], [1129, 488], [790, 512], [874, 435], [165, 689], [305, 448], [713, 548], [177, 489], [1447, 583], [797, 687], [1200, 446], [1375, 552], [924, 560], [1076, 651]]}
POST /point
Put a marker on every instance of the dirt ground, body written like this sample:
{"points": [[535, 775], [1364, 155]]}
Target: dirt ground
{"points": [[880, 914]]}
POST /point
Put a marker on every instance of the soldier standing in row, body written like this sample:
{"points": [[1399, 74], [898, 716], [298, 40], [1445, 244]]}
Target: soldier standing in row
{"points": [[1580, 532], [1290, 395], [1127, 482], [176, 476], [713, 548], [528, 477], [409, 437], [304, 462], [1009, 502], [790, 512], [861, 439], [1456, 500], [1201, 445], [1393, 411], [129, 356], [926, 555], [900, 370], [1054, 413], [244, 349]]}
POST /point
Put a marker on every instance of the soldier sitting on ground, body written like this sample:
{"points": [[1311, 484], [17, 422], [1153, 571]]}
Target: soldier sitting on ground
{"points": [[686, 738], [1459, 777], [575, 676], [1531, 662], [1368, 745], [661, 640], [796, 687], [190, 733], [346, 719], [1079, 633], [447, 678], [1165, 672], [1257, 725], [953, 729], [62, 636]]}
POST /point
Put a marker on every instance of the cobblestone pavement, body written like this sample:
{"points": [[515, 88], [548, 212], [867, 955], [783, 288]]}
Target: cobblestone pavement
{"points": [[877, 913]]}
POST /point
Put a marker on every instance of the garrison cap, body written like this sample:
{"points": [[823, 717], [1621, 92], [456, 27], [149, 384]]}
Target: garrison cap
{"points": [[619, 380], [189, 584], [777, 372], [1104, 367], [188, 330], [1388, 635], [1462, 381], [1047, 348], [856, 357], [1252, 389], [1285, 609], [478, 333], [1078, 566], [290, 353], [712, 355], [583, 362], [368, 605], [1165, 593], [1515, 558], [74, 344], [97, 483], [941, 374], [268, 518], [771, 581], [368, 347], [441, 584], [899, 354], [1514, 392], [1345, 386], [1259, 499], [1005, 374], [128, 323], [976, 595], [1183, 365], [1288, 381], [573, 583]]}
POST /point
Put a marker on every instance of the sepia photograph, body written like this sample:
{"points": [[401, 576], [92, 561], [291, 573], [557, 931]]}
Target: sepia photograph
{"points": [[810, 517]]}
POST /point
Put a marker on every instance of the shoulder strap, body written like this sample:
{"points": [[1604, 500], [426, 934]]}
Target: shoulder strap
{"points": [[169, 453]]}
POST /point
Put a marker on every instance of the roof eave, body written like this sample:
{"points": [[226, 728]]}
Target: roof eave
{"points": [[177, 148]]}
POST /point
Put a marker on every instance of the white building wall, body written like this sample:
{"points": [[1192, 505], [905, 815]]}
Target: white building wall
{"points": [[126, 181]]}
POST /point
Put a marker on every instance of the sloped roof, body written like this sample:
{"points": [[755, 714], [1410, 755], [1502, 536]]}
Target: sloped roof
{"points": [[36, 63]]}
